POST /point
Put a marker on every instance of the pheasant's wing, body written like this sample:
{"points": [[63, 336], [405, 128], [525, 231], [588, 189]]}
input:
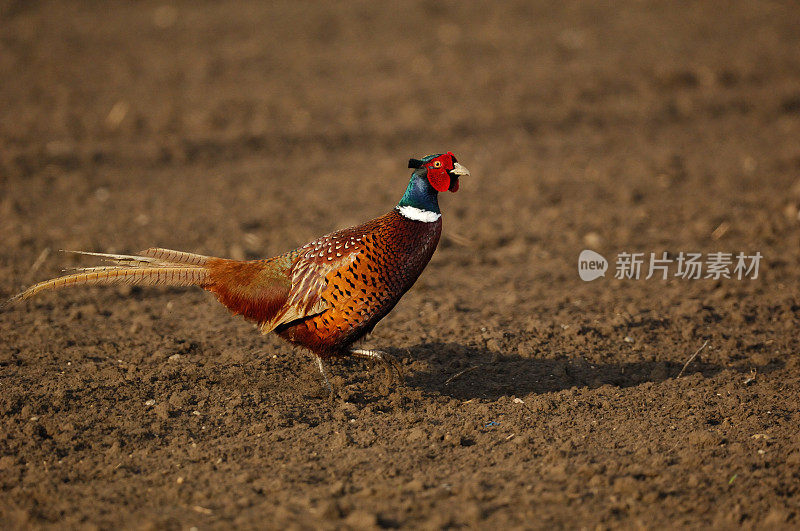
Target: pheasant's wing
{"points": [[311, 272]]}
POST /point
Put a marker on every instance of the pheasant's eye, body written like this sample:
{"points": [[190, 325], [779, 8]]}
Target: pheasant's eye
{"points": [[437, 164]]}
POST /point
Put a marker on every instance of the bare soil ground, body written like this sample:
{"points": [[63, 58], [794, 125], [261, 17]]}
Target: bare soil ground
{"points": [[244, 129]]}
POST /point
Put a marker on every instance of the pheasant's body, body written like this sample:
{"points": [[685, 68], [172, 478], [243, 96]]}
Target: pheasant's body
{"points": [[323, 296], [367, 269]]}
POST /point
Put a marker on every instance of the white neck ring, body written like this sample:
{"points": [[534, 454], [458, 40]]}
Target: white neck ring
{"points": [[417, 214]]}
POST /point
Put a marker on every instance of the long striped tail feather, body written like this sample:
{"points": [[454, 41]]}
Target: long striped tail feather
{"points": [[154, 256], [153, 267], [175, 257]]}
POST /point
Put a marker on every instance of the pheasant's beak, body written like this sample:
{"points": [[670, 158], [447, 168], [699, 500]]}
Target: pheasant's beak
{"points": [[459, 170]]}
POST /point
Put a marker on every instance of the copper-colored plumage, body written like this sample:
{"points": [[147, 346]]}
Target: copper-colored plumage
{"points": [[373, 266]]}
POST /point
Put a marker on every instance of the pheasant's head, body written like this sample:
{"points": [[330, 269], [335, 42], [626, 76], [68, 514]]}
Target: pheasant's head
{"points": [[442, 171], [432, 174]]}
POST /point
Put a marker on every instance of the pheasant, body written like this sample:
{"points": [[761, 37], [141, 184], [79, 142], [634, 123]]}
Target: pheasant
{"points": [[323, 296]]}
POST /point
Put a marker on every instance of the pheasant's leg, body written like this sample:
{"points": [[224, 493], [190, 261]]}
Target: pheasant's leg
{"points": [[321, 368], [391, 364]]}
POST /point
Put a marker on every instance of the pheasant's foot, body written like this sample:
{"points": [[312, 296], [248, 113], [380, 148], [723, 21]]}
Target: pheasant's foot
{"points": [[390, 363], [321, 368]]}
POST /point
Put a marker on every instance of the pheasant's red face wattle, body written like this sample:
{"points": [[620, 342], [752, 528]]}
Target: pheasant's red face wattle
{"points": [[442, 171], [438, 175]]}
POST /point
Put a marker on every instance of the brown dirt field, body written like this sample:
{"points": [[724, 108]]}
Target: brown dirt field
{"points": [[245, 129]]}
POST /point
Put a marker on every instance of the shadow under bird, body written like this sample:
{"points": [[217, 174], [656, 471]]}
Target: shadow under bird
{"points": [[323, 296]]}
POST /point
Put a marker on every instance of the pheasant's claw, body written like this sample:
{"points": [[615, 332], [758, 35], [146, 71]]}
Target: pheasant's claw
{"points": [[393, 368]]}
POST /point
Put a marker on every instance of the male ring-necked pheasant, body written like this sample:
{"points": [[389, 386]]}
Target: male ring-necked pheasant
{"points": [[323, 296]]}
